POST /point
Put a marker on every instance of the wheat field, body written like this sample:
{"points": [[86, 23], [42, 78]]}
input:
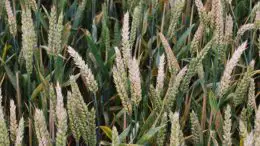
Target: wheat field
{"points": [[129, 72]]}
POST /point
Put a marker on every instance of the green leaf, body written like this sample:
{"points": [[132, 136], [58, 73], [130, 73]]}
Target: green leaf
{"points": [[148, 123], [107, 131], [184, 36], [146, 137], [123, 135]]}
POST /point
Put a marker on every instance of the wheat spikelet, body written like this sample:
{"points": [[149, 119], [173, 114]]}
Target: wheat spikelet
{"points": [[161, 136], [120, 80], [92, 127], [257, 127], [204, 17], [242, 30], [42, 133], [257, 19], [13, 122], [20, 133], [4, 136], [11, 18], [217, 10], [161, 75], [135, 24], [194, 48], [29, 41], [255, 9], [121, 67], [61, 115], [81, 110], [172, 61], [251, 103], [228, 29], [135, 80], [33, 5], [52, 29], [73, 118], [79, 13], [84, 70], [121, 89], [195, 128], [243, 85], [58, 35], [125, 40], [115, 137], [193, 66], [173, 89], [227, 127], [117, 35], [2, 3], [249, 140], [242, 129], [155, 98], [176, 137], [176, 11], [226, 77]]}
